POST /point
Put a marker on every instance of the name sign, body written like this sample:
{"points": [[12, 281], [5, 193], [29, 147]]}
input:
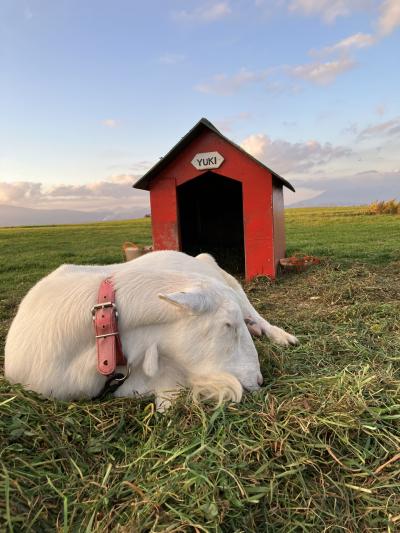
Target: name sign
{"points": [[207, 160]]}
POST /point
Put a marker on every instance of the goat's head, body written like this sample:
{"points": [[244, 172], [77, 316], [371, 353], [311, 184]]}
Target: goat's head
{"points": [[210, 342]]}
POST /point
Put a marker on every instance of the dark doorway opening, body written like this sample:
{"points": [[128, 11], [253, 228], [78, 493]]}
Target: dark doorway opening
{"points": [[211, 219]]}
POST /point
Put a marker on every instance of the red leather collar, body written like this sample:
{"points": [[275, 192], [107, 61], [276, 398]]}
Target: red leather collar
{"points": [[105, 320]]}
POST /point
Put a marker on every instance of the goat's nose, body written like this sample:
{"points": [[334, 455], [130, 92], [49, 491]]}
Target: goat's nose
{"points": [[260, 380]]}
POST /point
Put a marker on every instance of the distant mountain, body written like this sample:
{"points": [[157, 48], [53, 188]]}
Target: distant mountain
{"points": [[361, 189], [24, 216]]}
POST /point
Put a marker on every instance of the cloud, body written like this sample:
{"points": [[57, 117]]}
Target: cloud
{"points": [[317, 72], [113, 187], [389, 18], [388, 21], [328, 10], [285, 157], [388, 128], [23, 191], [113, 192], [110, 122], [358, 40], [224, 85], [322, 73], [171, 59], [209, 12]]}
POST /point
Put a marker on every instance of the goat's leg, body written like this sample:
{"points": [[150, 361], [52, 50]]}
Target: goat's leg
{"points": [[275, 334], [256, 324]]}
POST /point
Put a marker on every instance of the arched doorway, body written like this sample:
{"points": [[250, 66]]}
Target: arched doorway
{"points": [[210, 219]]}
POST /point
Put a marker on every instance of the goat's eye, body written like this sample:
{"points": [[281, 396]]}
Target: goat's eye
{"points": [[228, 325]]}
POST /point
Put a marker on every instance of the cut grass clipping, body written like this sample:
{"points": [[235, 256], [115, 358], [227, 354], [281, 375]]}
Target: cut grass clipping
{"points": [[317, 449]]}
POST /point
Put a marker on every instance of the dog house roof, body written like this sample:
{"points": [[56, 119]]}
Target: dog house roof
{"points": [[202, 124]]}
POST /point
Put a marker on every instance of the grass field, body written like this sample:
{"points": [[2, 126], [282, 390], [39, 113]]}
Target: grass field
{"points": [[317, 449]]}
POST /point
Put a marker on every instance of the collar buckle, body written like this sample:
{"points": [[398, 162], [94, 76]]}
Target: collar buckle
{"points": [[103, 305]]}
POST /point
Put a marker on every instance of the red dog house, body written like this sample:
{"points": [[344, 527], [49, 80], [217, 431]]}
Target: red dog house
{"points": [[208, 195]]}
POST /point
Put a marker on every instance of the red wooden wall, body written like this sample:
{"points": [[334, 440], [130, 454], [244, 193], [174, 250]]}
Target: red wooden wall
{"points": [[257, 188]]}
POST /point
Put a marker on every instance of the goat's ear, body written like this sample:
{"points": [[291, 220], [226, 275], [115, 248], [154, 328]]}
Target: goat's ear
{"points": [[195, 301], [150, 362]]}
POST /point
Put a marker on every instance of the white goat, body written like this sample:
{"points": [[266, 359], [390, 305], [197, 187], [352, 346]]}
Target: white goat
{"points": [[181, 323]]}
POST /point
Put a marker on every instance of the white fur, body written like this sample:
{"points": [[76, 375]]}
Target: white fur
{"points": [[177, 340], [206, 265], [180, 320]]}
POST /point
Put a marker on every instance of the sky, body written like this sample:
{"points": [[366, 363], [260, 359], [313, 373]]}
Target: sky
{"points": [[94, 92]]}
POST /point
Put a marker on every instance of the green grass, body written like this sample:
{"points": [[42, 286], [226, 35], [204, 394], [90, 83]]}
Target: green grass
{"points": [[345, 234], [317, 449]]}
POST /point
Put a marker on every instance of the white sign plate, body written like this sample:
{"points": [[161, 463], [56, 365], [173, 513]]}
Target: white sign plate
{"points": [[207, 160]]}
